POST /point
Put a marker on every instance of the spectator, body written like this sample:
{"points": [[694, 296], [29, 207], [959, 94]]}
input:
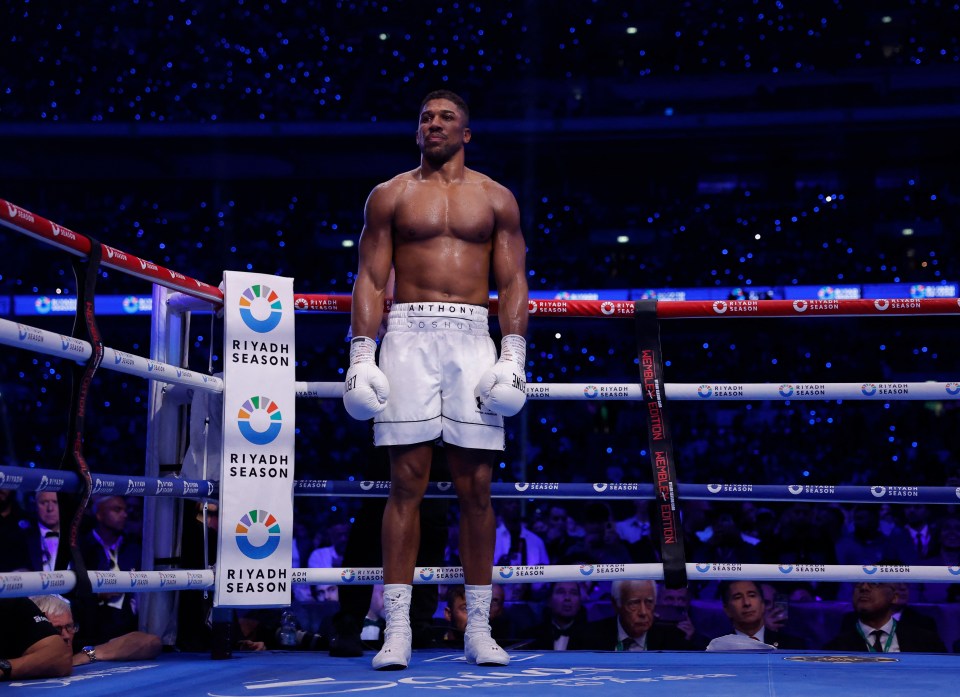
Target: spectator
{"points": [[108, 548], [564, 619], [636, 526], [948, 554], [194, 611], [922, 532], [330, 557], [516, 545], [632, 628], [776, 612], [600, 543], [29, 645], [13, 536], [558, 538], [455, 614], [743, 603], [866, 544], [876, 629], [673, 609], [904, 612], [43, 536], [132, 646]]}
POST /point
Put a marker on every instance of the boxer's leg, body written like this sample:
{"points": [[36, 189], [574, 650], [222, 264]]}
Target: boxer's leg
{"points": [[471, 471], [400, 536]]}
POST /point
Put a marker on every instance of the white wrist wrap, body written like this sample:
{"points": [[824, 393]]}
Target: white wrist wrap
{"points": [[363, 349]]}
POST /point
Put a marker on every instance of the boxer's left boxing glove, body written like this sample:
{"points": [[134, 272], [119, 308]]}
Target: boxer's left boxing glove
{"points": [[366, 389], [503, 388]]}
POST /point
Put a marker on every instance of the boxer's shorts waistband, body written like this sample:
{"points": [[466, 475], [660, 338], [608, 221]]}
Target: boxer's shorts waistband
{"points": [[438, 316]]}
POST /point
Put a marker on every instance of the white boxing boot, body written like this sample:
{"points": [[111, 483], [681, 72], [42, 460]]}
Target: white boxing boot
{"points": [[397, 637], [478, 646]]}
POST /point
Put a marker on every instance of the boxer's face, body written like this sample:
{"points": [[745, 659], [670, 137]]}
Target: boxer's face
{"points": [[443, 130]]}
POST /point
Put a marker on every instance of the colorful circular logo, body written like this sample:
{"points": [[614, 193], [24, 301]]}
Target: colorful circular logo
{"points": [[705, 391], [258, 534], [426, 573], [131, 304], [348, 575], [953, 388], [260, 420], [506, 571], [786, 391], [43, 304], [590, 391], [868, 389], [586, 569], [260, 308]]}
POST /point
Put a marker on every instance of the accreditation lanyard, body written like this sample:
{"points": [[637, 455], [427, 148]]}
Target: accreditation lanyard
{"points": [[886, 646]]}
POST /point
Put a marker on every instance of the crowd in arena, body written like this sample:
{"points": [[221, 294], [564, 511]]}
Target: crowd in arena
{"points": [[767, 211]]}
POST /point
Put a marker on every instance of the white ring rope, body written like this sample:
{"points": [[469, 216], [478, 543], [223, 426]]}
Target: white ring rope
{"points": [[41, 582], [50, 343], [42, 341], [734, 392]]}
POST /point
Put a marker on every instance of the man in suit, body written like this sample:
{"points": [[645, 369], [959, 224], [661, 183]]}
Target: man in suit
{"points": [[877, 630], [564, 619], [108, 548], [43, 536], [743, 603], [632, 628]]}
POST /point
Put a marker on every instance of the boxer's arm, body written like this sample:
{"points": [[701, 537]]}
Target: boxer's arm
{"points": [[502, 388], [509, 265], [376, 258]]}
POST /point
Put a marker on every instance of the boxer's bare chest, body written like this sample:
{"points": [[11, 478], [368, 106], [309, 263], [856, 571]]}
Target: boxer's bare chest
{"points": [[428, 210]]}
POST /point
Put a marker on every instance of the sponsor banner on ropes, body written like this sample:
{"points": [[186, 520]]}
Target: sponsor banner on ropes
{"points": [[256, 474]]}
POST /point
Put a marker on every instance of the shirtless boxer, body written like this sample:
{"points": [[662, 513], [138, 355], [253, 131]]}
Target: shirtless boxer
{"points": [[443, 227]]}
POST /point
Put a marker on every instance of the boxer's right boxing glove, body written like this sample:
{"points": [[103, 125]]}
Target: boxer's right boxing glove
{"points": [[366, 390]]}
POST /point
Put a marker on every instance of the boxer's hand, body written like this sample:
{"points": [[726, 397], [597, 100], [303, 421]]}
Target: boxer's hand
{"points": [[366, 390], [503, 388]]}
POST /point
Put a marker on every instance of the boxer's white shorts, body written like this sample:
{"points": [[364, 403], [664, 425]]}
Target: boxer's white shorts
{"points": [[433, 355]]}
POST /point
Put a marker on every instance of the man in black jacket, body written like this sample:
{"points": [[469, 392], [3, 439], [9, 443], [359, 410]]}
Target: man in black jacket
{"points": [[633, 628], [877, 631], [743, 603], [564, 619]]}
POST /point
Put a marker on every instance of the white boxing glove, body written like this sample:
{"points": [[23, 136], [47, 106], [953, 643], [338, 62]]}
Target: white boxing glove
{"points": [[503, 388], [366, 389]]}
